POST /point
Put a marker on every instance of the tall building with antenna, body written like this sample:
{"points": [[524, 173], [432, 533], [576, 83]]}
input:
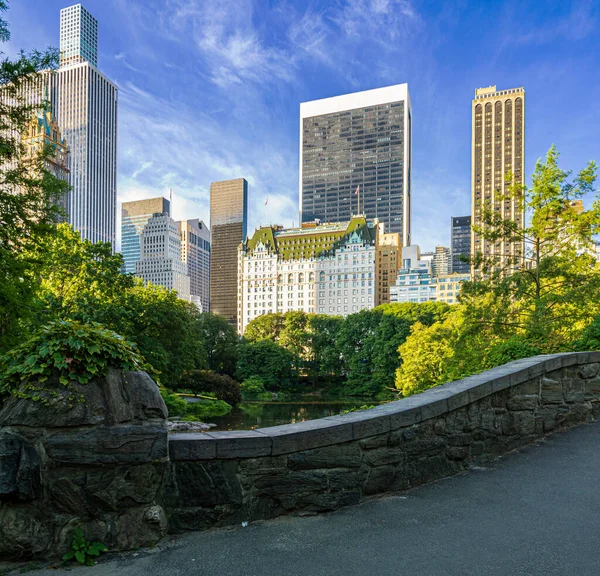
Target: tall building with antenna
{"points": [[84, 102]]}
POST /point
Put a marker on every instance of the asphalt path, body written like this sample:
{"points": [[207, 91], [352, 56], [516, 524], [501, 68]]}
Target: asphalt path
{"points": [[532, 512]]}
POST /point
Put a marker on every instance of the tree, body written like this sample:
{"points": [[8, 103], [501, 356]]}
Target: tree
{"points": [[220, 341], [209, 382], [265, 327], [322, 338], [28, 192], [551, 288], [272, 363]]}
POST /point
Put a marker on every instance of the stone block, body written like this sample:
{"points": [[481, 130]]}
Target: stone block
{"points": [[346, 455], [19, 468], [573, 390], [241, 444], [374, 441], [294, 483], [190, 446], [368, 422], [264, 465], [306, 435], [208, 483], [481, 386], [525, 402], [457, 452], [424, 445], [379, 480], [551, 391], [384, 456], [589, 371], [24, 532], [110, 444], [406, 412]]}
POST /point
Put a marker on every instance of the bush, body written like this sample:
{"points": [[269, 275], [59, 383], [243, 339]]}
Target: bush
{"points": [[208, 382], [253, 386], [176, 405], [590, 338], [68, 352], [206, 409]]}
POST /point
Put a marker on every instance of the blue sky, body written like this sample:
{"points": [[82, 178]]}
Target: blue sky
{"points": [[210, 89]]}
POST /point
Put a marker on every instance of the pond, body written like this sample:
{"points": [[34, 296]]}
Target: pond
{"points": [[260, 414]]}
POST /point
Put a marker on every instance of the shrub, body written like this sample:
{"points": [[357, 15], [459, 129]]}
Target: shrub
{"points": [[206, 409], [68, 352], [590, 338], [511, 349], [176, 405], [208, 382], [253, 386]]}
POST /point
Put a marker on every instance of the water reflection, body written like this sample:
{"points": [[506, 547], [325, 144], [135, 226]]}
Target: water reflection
{"points": [[259, 414]]}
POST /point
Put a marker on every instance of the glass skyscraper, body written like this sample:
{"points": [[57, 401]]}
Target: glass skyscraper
{"points": [[461, 243], [134, 217], [78, 36], [358, 140]]}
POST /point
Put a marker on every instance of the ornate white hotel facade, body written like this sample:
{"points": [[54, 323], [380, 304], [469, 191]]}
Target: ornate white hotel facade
{"points": [[323, 269]]}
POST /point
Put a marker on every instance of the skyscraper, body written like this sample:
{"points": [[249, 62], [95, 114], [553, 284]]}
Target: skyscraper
{"points": [[160, 256], [498, 147], [389, 255], [358, 142], [461, 243], [228, 214], [195, 252], [441, 261], [134, 217], [84, 103]]}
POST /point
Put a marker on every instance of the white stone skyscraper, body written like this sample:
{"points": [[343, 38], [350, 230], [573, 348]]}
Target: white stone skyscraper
{"points": [[85, 105]]}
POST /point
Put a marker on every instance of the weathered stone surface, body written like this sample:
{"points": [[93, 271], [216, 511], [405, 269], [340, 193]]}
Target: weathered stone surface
{"points": [[207, 483], [19, 468], [24, 532], [109, 444], [241, 443], [379, 480], [140, 527], [384, 456], [339, 456], [551, 391], [192, 447], [589, 370]]}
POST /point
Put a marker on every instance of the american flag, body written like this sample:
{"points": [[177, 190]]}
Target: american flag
{"points": [[357, 190]]}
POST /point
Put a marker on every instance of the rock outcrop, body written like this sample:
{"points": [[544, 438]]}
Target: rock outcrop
{"points": [[97, 463]]}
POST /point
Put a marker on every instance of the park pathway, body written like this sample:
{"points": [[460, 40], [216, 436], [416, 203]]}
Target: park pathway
{"points": [[532, 513]]}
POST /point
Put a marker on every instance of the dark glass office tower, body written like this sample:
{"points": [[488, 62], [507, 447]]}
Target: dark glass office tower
{"points": [[361, 139], [461, 243], [228, 214]]}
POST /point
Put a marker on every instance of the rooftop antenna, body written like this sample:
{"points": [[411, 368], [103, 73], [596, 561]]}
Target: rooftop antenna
{"points": [[170, 201]]}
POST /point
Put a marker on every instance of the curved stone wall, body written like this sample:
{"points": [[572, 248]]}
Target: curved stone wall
{"points": [[223, 478], [107, 465]]}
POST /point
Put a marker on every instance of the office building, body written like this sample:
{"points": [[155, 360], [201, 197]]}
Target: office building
{"points": [[134, 217], [228, 214], [358, 142], [160, 256], [448, 287], [441, 261], [498, 147], [324, 269], [195, 253], [460, 235], [389, 252], [415, 281], [44, 132], [84, 103]]}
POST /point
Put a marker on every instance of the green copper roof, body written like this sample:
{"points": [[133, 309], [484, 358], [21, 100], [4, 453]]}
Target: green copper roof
{"points": [[305, 243]]}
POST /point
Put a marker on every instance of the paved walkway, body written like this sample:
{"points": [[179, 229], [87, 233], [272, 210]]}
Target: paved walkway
{"points": [[536, 512]]}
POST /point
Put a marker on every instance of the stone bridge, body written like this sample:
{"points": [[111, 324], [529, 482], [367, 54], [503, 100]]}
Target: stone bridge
{"points": [[108, 465]]}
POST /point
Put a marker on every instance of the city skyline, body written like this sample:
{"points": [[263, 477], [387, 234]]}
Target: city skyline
{"points": [[251, 131]]}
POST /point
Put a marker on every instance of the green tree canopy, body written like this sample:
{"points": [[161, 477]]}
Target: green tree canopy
{"points": [[272, 363]]}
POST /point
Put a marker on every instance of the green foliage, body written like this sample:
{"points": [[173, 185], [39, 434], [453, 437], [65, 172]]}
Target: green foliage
{"points": [[201, 411], [513, 348], [176, 405], [253, 385], [208, 382], [590, 338], [84, 551], [551, 287], [220, 341], [358, 409], [69, 352], [29, 191], [272, 363]]}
